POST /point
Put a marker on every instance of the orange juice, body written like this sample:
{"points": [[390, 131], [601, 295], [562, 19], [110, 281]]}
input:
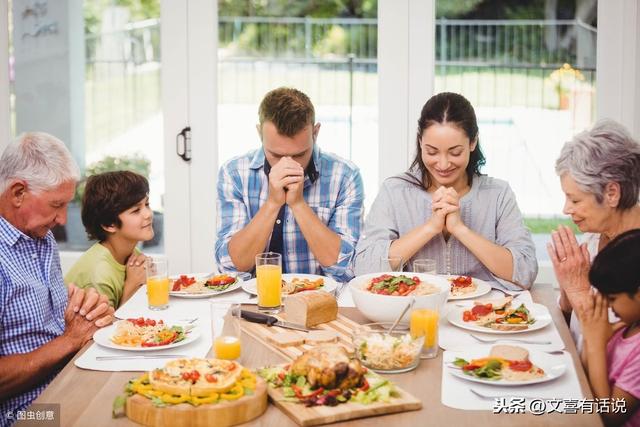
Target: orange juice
{"points": [[269, 278], [424, 322], [158, 291], [226, 347]]}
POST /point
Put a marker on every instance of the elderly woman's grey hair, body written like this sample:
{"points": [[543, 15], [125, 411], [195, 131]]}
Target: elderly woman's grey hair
{"points": [[39, 159], [606, 153]]}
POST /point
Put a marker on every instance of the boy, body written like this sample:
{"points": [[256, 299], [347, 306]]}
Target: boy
{"points": [[116, 213]]}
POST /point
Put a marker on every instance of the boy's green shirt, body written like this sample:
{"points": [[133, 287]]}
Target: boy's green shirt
{"points": [[98, 269]]}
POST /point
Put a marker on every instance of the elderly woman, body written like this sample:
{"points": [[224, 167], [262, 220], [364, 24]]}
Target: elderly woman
{"points": [[599, 173]]}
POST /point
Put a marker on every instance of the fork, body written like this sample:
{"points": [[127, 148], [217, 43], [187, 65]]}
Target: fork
{"points": [[524, 341], [339, 289], [508, 293], [484, 395]]}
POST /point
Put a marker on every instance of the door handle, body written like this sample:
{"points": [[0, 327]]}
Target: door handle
{"points": [[184, 150]]}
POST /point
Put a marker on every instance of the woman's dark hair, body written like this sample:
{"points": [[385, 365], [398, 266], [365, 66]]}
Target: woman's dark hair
{"points": [[106, 196], [448, 108], [616, 268]]}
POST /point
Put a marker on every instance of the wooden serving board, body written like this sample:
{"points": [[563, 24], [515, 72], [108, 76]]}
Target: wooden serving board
{"points": [[223, 414], [317, 415], [343, 326]]}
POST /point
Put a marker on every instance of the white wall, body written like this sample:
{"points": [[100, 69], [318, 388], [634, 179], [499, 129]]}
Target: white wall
{"points": [[5, 113], [406, 71], [618, 62]]}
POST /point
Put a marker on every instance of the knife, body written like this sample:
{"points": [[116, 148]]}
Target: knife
{"points": [[147, 356], [252, 316]]}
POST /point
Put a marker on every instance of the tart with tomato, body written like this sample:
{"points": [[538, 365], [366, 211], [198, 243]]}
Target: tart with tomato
{"points": [[194, 392], [196, 377]]}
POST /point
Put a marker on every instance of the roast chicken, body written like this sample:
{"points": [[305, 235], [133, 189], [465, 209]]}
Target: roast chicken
{"points": [[329, 366]]}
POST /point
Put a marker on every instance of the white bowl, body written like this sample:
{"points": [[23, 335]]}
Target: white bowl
{"points": [[387, 308]]}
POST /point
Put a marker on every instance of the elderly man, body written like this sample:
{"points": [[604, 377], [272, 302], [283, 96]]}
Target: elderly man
{"points": [[289, 197], [42, 324]]}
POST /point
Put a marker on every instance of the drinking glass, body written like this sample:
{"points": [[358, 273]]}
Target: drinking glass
{"points": [[269, 282], [393, 263], [157, 283], [225, 330], [424, 322], [425, 265]]}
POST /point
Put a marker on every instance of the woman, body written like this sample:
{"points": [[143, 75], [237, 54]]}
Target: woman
{"points": [[599, 174], [442, 208]]}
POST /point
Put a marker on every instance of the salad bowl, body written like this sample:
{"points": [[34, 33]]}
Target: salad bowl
{"points": [[379, 307]]}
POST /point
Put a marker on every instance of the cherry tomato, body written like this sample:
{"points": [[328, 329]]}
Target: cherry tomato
{"points": [[482, 310], [520, 365]]}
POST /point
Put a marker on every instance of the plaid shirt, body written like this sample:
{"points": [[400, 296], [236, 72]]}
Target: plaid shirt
{"points": [[336, 198], [32, 302]]}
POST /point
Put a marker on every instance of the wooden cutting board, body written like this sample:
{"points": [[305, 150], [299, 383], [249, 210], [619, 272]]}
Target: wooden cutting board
{"points": [[317, 415], [224, 414], [343, 326]]}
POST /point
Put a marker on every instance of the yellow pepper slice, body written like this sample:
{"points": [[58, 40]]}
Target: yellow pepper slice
{"points": [[200, 400], [154, 393], [170, 398], [514, 320], [249, 383], [235, 393], [140, 388]]}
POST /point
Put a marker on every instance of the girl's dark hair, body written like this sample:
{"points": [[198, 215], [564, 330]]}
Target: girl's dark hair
{"points": [[616, 268], [450, 108], [106, 196]]}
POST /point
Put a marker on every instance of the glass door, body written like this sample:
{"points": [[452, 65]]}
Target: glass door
{"points": [[89, 72], [100, 93]]}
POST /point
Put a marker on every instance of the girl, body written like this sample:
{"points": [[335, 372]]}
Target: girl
{"points": [[613, 358]]}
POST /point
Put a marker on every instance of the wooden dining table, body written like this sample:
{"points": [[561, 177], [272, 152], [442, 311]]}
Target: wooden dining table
{"points": [[85, 397]]}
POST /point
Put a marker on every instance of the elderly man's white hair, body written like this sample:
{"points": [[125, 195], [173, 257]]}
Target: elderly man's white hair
{"points": [[39, 159]]}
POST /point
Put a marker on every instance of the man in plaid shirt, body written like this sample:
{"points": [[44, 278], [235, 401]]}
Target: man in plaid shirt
{"points": [[289, 196], [42, 323]]}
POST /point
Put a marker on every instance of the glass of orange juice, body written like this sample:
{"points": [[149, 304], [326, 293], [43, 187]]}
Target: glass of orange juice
{"points": [[269, 282], [424, 322], [157, 283], [225, 330]]}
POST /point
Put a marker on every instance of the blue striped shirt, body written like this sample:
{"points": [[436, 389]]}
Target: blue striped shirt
{"points": [[336, 198], [32, 301]]}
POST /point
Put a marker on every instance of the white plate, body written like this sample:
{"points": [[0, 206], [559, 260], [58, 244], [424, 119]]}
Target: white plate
{"points": [[553, 366], [482, 288], [537, 311], [206, 293], [250, 286], [103, 337]]}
